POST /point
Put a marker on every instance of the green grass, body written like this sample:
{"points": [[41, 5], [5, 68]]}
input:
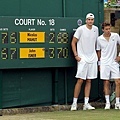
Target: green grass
{"points": [[98, 114]]}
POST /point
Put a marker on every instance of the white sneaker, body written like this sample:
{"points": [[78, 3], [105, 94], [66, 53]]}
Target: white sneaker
{"points": [[117, 106], [107, 106], [74, 107], [88, 107]]}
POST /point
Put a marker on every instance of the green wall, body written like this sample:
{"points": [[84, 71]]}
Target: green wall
{"points": [[45, 86]]}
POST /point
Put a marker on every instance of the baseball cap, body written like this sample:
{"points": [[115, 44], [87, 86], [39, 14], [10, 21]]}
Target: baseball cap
{"points": [[89, 15]]}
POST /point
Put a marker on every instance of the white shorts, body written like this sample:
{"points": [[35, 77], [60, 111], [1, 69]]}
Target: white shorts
{"points": [[109, 71], [86, 70]]}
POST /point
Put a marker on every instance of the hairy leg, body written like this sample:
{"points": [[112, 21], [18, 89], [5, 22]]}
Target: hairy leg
{"points": [[106, 87], [87, 87], [117, 88], [78, 88]]}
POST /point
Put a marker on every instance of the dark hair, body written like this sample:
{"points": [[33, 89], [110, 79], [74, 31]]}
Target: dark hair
{"points": [[105, 24]]}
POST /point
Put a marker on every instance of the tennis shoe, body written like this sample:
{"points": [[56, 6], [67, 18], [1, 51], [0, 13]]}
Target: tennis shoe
{"points": [[107, 106], [117, 106], [74, 107], [88, 107]]}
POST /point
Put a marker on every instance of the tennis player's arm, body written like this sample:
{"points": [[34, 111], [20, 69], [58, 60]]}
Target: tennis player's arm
{"points": [[118, 58], [74, 48], [99, 55], [74, 44]]}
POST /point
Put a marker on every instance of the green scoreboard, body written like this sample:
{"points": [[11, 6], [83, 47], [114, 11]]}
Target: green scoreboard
{"points": [[27, 42]]}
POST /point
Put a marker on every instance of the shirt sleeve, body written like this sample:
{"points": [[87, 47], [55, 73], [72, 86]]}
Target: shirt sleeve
{"points": [[98, 45], [118, 39], [97, 32], [78, 33]]}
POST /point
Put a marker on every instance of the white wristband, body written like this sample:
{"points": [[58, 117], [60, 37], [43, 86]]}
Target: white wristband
{"points": [[119, 54], [99, 62]]}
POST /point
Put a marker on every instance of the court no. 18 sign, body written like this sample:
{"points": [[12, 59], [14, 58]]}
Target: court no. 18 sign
{"points": [[36, 42]]}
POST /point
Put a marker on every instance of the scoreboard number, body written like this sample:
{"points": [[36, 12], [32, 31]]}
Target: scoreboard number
{"points": [[36, 42]]}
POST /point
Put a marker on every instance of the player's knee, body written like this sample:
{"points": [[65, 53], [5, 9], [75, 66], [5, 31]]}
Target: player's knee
{"points": [[117, 82], [106, 82], [80, 81], [88, 81]]}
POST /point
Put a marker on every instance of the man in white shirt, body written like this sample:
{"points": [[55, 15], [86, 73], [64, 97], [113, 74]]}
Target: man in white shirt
{"points": [[83, 47], [109, 67]]}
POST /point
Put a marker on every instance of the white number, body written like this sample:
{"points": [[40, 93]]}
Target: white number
{"points": [[52, 22]]}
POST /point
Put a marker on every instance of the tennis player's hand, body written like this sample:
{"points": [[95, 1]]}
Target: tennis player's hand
{"points": [[117, 59], [98, 67], [78, 58]]}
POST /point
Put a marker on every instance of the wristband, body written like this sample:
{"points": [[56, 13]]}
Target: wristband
{"points": [[76, 55], [119, 54], [99, 62]]}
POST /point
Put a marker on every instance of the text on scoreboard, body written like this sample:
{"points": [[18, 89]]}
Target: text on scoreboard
{"points": [[37, 42]]}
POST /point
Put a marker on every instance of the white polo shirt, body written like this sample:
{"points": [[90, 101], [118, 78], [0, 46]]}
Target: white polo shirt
{"points": [[108, 48], [86, 43]]}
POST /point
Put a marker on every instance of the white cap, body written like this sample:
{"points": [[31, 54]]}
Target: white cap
{"points": [[89, 15]]}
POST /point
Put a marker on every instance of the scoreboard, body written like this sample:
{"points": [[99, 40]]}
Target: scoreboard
{"points": [[27, 42]]}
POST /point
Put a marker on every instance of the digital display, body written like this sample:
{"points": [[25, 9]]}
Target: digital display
{"points": [[36, 42], [32, 52], [32, 37]]}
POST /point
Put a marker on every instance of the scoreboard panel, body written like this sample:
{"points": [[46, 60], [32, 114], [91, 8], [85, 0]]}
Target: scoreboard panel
{"points": [[37, 42]]}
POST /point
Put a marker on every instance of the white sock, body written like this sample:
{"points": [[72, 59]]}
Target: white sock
{"points": [[117, 100], [75, 100], [107, 98], [86, 99]]}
